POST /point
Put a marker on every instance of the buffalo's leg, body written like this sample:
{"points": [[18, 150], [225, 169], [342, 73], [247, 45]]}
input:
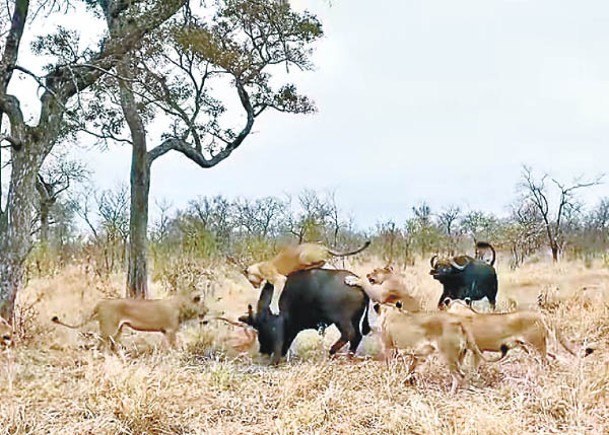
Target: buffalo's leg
{"points": [[357, 338], [278, 345], [338, 345], [441, 301], [288, 338], [347, 334], [492, 302]]}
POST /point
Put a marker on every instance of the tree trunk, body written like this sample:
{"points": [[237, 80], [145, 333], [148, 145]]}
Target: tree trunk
{"points": [[554, 248], [16, 226], [44, 223], [137, 278]]}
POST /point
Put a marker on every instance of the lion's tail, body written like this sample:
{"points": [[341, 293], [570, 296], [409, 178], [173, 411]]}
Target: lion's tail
{"points": [[92, 317], [566, 344], [347, 254]]}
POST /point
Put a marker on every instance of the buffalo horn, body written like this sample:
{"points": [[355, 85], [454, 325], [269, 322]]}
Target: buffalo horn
{"points": [[454, 264]]}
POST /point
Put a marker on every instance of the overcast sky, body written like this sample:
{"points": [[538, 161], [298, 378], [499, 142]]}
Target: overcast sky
{"points": [[435, 100]]}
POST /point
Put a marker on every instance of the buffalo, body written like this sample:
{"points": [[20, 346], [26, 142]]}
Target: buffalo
{"points": [[465, 277], [311, 299]]}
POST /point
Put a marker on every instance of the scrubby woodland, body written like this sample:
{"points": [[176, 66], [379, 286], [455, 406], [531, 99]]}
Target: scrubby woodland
{"points": [[64, 243], [94, 229]]}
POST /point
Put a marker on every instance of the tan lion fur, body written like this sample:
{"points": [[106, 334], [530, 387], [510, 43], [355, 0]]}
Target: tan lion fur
{"points": [[289, 260], [384, 286], [499, 332], [153, 315], [421, 334]]}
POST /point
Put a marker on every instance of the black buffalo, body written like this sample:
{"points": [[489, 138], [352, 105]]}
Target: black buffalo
{"points": [[311, 299], [465, 277]]}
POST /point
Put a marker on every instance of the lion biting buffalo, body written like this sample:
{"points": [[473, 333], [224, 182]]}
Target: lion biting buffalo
{"points": [[310, 299]]}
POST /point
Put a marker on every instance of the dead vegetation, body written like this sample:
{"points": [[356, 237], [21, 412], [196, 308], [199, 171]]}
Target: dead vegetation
{"points": [[53, 382]]}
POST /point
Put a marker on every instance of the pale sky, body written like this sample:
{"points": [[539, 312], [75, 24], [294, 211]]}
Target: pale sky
{"points": [[435, 100]]}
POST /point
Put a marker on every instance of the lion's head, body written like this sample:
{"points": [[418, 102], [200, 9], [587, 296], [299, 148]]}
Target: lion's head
{"points": [[380, 275]]}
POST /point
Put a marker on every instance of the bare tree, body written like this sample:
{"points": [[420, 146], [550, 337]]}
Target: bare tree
{"points": [[523, 232], [162, 223], [309, 223], [53, 181], [261, 217], [448, 219], [536, 192]]}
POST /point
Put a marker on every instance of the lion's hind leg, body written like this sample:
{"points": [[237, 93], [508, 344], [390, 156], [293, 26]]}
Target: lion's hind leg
{"points": [[110, 334]]}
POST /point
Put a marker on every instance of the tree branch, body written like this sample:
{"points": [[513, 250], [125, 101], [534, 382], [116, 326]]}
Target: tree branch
{"points": [[13, 41], [65, 85], [196, 156], [8, 103]]}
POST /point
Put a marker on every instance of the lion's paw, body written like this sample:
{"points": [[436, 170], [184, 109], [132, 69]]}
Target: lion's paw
{"points": [[351, 280]]}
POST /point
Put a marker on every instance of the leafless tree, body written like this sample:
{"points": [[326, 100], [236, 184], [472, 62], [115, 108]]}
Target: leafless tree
{"points": [[55, 179], [309, 222], [448, 219], [261, 217], [536, 191], [161, 225]]}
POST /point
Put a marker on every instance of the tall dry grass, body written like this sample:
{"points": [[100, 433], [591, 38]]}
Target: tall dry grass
{"points": [[56, 382]]}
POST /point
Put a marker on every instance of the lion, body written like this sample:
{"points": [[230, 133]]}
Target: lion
{"points": [[384, 286], [292, 259], [424, 333], [499, 332], [6, 332], [149, 315]]}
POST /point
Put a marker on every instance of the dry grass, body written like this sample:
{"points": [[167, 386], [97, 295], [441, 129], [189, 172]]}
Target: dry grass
{"points": [[56, 384]]}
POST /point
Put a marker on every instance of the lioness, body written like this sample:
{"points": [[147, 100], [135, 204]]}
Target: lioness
{"points": [[499, 332], [384, 286], [153, 315], [292, 259], [424, 333], [6, 332]]}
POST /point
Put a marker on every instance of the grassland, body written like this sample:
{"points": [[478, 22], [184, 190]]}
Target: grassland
{"points": [[54, 382]]}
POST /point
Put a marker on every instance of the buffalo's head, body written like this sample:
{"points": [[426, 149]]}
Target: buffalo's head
{"points": [[446, 268], [263, 320]]}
